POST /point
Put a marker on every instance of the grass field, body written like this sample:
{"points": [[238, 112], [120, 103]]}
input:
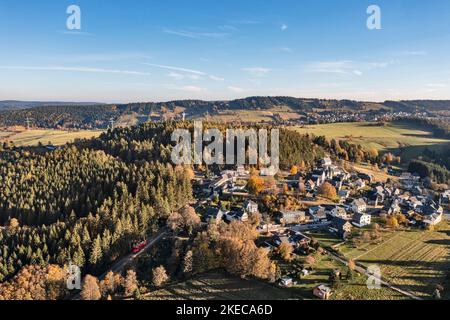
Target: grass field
{"points": [[230, 116], [221, 286], [56, 137], [412, 260], [392, 137]]}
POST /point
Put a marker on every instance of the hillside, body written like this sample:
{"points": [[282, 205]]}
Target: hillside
{"points": [[16, 104], [98, 116], [251, 109]]}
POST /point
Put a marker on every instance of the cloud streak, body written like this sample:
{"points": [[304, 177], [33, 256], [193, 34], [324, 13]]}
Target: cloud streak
{"points": [[178, 70], [257, 71], [75, 69], [194, 34]]}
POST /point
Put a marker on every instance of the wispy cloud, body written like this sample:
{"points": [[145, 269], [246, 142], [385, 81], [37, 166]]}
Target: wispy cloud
{"points": [[245, 21], [192, 89], [235, 89], [195, 34], [181, 73], [412, 53], [345, 66], [107, 56], [215, 78], [285, 49], [339, 67], [257, 71], [174, 68], [284, 27], [180, 76], [75, 69]]}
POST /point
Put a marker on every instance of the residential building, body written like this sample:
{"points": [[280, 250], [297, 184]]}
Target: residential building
{"points": [[359, 206], [362, 220], [322, 292], [251, 207], [292, 217]]}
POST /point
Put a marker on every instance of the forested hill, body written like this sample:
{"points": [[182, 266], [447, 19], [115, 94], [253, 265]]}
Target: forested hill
{"points": [[98, 116], [420, 105], [16, 104]]}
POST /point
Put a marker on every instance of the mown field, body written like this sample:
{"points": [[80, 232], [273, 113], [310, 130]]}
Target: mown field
{"points": [[407, 141], [230, 116], [44, 136], [221, 286], [413, 260]]}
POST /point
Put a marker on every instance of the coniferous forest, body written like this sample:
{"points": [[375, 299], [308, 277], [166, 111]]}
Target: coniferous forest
{"points": [[83, 205]]}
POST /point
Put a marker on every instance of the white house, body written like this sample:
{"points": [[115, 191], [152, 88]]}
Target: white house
{"points": [[362, 220], [326, 162], [251, 207], [322, 292], [339, 212], [359, 206]]}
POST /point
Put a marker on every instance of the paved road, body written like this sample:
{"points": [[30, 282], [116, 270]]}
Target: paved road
{"points": [[120, 265], [364, 271]]}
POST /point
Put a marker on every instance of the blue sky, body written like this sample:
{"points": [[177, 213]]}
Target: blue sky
{"points": [[135, 50]]}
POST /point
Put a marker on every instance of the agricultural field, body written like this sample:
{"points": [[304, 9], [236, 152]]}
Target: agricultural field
{"points": [[228, 116], [412, 260], [220, 286], [406, 141], [34, 137], [354, 289]]}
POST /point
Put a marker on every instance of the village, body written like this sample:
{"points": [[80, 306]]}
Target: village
{"points": [[330, 199]]}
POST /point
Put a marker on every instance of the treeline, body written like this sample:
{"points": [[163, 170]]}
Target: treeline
{"points": [[296, 149], [439, 127], [430, 170], [419, 105], [344, 150]]}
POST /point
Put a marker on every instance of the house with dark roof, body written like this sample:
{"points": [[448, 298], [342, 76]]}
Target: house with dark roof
{"points": [[338, 211], [342, 227], [215, 213], [240, 215], [317, 213], [361, 220], [250, 207]]}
